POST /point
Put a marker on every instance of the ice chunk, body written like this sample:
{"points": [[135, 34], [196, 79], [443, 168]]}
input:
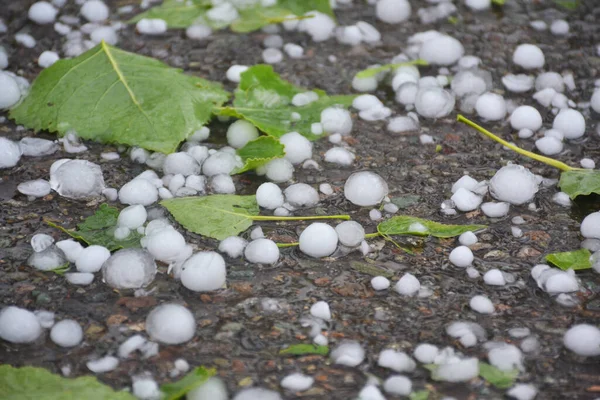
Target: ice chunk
{"points": [[550, 80], [461, 371], [513, 184], [104, 364], [392, 11], [269, 196], [426, 353], [408, 285], [340, 156], [518, 83], [42, 13], [297, 147], [570, 122], [370, 392], [233, 246], [132, 217], [212, 389], [47, 58], [301, 195], [18, 325], [132, 344], [163, 242], [365, 188], [506, 357], [402, 124], [380, 283], [129, 269], [107, 34], [466, 200], [71, 248], [529, 56], [318, 240], [221, 183], [66, 333], [461, 256], [35, 188], [396, 360], [204, 271], [76, 179], [145, 388], [297, 382], [241, 132], [468, 333], [559, 27], [234, 73], [349, 353], [526, 117], [170, 324], [494, 277], [256, 394], [583, 339], [151, 26], [138, 191], [398, 385], [549, 145], [350, 233], [471, 81], [293, 50], [91, 258], [48, 259], [181, 163], [495, 210], [481, 304], [79, 278], [320, 27], [41, 241], [522, 391], [262, 251], [321, 310], [336, 120], [442, 50], [36, 147], [590, 226], [279, 170], [467, 239], [94, 10], [434, 102], [491, 106], [272, 56]]}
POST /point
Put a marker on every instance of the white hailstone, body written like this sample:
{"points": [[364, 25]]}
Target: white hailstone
{"points": [[139, 155], [529, 56], [336, 138], [66, 333], [559, 27], [471, 82], [550, 80], [262, 251], [196, 182], [348, 35], [36, 188], [398, 385], [595, 101], [365, 102], [257, 393], [525, 133], [369, 34], [130, 345], [478, 5], [516, 231], [9, 96], [522, 391], [549, 145], [91, 258], [461, 256], [233, 246], [506, 357], [370, 392], [481, 304], [174, 182], [583, 339], [35, 147], [47, 58], [257, 233], [545, 97], [320, 27], [570, 122], [391, 208], [25, 40], [402, 124], [367, 84], [392, 11], [396, 360], [467, 239], [234, 73], [513, 184], [326, 189], [442, 50], [151, 26], [426, 353], [494, 277], [340, 156], [223, 184], [94, 10], [559, 282], [221, 162], [204, 271], [495, 210], [181, 163], [170, 324], [164, 244], [105, 33], [318, 240], [297, 148], [132, 217], [380, 283], [293, 50], [3, 59], [375, 113], [336, 120], [42, 13], [269, 196], [145, 388], [350, 233], [491, 106], [465, 200], [465, 182], [18, 325], [241, 132], [70, 248], [349, 353], [365, 188], [321, 310], [526, 117], [275, 41], [297, 382], [129, 269], [301, 195], [434, 102], [45, 318], [41, 241], [408, 285], [104, 364], [138, 191], [122, 233], [587, 163], [518, 83], [79, 278], [375, 215], [590, 226], [279, 170], [272, 55], [48, 259], [198, 32], [212, 389], [460, 371]]}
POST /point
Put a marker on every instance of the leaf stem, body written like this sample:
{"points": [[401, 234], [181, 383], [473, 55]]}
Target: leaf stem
{"points": [[284, 245], [546, 160], [307, 218], [372, 235]]}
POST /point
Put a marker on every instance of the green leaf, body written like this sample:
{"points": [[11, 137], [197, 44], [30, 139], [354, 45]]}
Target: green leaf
{"points": [[420, 395], [407, 225], [259, 152], [497, 377], [300, 7], [177, 390], [579, 182], [264, 99], [29, 383], [110, 95], [216, 216], [61, 270], [254, 18], [406, 201], [99, 229], [570, 5], [303, 349], [176, 13], [369, 72], [499, 3], [576, 260]]}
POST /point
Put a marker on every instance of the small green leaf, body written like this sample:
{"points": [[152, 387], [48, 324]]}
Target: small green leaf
{"points": [[407, 225], [177, 390], [576, 260], [62, 269], [303, 349], [570, 5], [264, 99], [254, 18], [369, 72], [497, 377], [176, 13], [259, 152], [420, 395], [109, 95], [99, 228], [499, 3], [216, 216], [39, 383], [369, 269], [579, 182], [300, 7], [406, 201]]}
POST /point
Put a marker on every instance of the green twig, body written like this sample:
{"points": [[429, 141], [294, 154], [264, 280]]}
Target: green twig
{"points": [[284, 245], [307, 218], [372, 235]]}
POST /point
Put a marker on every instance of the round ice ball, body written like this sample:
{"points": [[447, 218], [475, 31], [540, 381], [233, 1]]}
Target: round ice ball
{"points": [[570, 122], [491, 106], [262, 251], [204, 271], [76, 179], [318, 240], [91, 258], [590, 226], [513, 184], [583, 339], [241, 132], [442, 50], [18, 325], [526, 117], [164, 244], [434, 102], [129, 269], [132, 217], [138, 191], [170, 324], [529, 56], [66, 333], [365, 188], [350, 233], [297, 148], [10, 152], [392, 11], [42, 13], [10, 91], [269, 196]]}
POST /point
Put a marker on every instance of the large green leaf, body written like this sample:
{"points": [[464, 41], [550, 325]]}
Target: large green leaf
{"points": [[254, 18], [110, 95], [177, 390], [497, 377], [407, 225], [303, 349], [29, 383], [216, 216], [259, 152], [176, 13], [299, 7], [578, 182], [576, 260], [99, 229], [264, 99]]}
